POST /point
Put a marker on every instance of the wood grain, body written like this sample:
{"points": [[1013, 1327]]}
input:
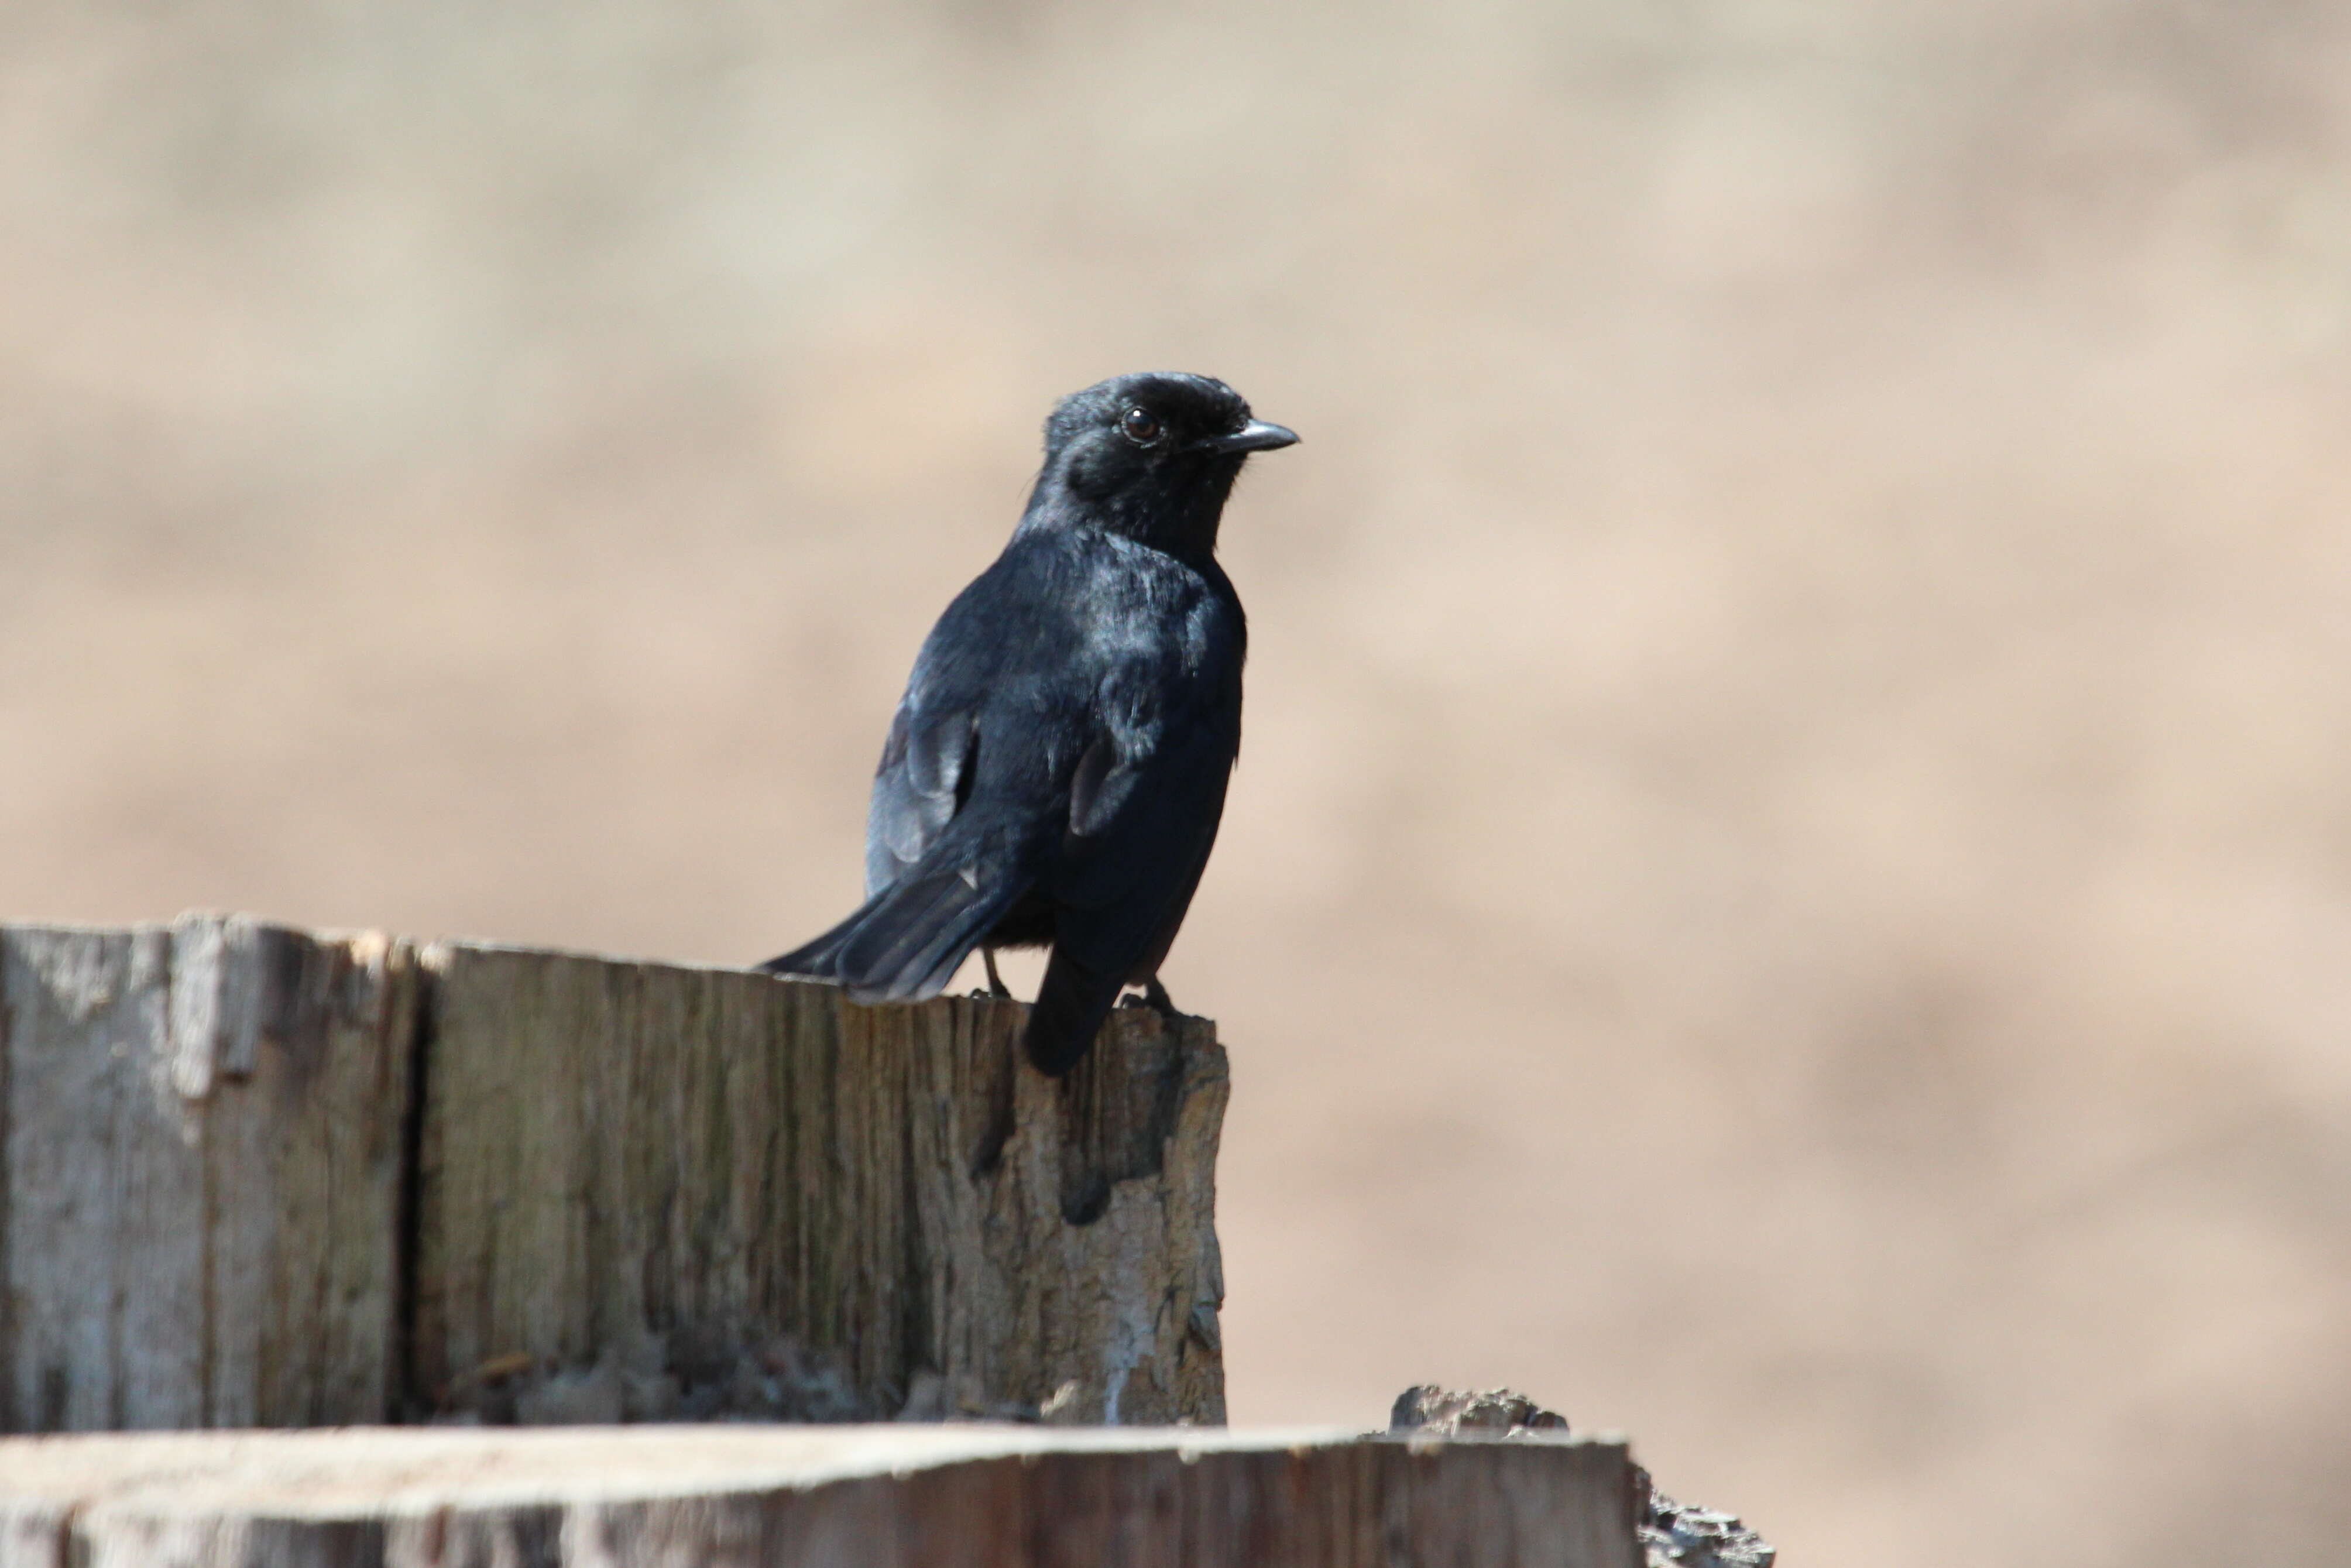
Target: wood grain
{"points": [[858, 1497], [255, 1177], [200, 1171], [650, 1191]]}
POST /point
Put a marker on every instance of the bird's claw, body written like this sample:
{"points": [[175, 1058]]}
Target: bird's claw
{"points": [[996, 989], [1155, 998]]}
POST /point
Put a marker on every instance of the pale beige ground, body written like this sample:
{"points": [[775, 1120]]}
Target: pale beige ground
{"points": [[1789, 888]]}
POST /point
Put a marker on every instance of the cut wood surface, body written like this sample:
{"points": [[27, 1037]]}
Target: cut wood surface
{"points": [[257, 1177], [855, 1497]]}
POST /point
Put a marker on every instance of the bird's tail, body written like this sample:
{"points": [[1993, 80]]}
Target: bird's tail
{"points": [[1070, 1007], [908, 940]]}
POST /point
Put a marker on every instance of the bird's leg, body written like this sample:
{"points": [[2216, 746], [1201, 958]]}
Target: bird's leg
{"points": [[995, 986], [1156, 997]]}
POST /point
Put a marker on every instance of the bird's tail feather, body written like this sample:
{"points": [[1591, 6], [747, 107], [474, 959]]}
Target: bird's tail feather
{"points": [[917, 933], [908, 940], [1070, 1007], [817, 960]]}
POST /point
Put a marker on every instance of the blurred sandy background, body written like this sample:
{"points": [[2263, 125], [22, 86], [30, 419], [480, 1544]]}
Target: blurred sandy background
{"points": [[1790, 886]]}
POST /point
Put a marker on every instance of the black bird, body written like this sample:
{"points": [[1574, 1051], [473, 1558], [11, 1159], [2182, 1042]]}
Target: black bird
{"points": [[1057, 767]]}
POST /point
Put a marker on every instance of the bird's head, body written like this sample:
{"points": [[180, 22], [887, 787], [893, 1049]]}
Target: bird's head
{"points": [[1152, 456]]}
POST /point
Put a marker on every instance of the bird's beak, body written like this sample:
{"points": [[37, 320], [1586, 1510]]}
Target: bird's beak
{"points": [[1257, 435]]}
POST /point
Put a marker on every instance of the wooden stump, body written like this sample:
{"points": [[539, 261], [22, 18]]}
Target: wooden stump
{"points": [[895, 1497], [708, 1192], [201, 1132], [255, 1177]]}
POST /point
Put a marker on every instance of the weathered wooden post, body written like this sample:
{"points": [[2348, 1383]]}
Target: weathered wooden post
{"points": [[853, 1496], [255, 1177], [700, 1192], [200, 1174], [258, 1177]]}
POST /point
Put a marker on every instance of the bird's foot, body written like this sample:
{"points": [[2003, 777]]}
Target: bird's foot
{"points": [[1155, 998], [996, 989]]}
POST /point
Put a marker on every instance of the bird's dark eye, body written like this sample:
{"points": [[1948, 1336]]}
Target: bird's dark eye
{"points": [[1138, 427]]}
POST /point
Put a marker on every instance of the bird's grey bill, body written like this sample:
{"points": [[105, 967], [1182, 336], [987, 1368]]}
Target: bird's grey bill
{"points": [[1257, 435]]}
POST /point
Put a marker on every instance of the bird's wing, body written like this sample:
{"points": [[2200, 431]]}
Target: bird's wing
{"points": [[973, 710], [927, 772], [941, 866], [963, 799]]}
